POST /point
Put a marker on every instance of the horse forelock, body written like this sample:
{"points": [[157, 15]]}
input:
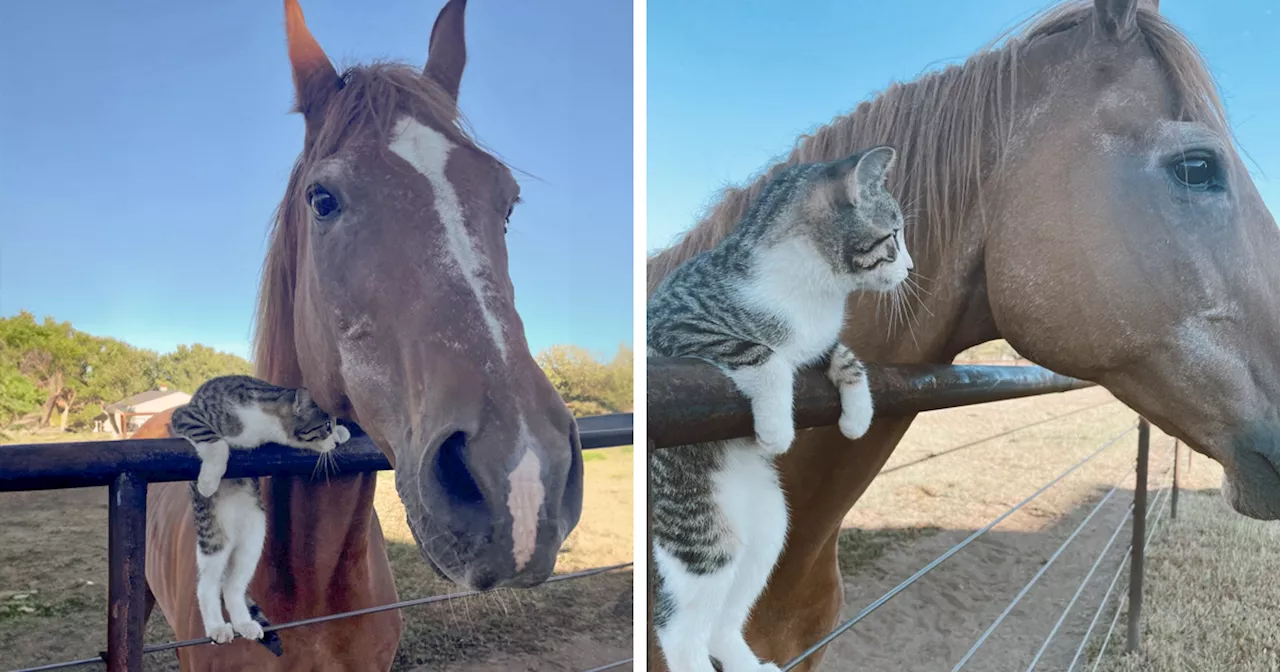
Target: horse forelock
{"points": [[950, 127], [373, 99]]}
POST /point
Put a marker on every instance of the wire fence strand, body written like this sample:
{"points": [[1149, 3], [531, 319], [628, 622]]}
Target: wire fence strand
{"points": [[611, 666], [167, 646], [1041, 572], [1062, 618], [993, 437], [1160, 500], [879, 602]]}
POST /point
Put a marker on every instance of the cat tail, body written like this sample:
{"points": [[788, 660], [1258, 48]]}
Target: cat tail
{"points": [[270, 638]]}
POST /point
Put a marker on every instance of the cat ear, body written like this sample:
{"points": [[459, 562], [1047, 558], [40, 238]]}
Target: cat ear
{"points": [[301, 399], [871, 171]]}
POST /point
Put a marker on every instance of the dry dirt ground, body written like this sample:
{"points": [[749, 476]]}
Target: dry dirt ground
{"points": [[53, 572], [937, 489]]}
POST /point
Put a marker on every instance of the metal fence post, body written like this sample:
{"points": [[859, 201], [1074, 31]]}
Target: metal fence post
{"points": [[1139, 534], [1173, 496], [127, 585]]}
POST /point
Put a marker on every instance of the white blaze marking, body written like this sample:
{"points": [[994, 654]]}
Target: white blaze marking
{"points": [[427, 150], [525, 500]]}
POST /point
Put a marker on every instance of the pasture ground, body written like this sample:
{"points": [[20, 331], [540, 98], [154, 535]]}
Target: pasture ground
{"points": [[1214, 603], [943, 483], [53, 573], [1210, 603]]}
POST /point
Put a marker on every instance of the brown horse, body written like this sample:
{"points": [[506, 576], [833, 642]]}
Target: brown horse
{"points": [[386, 293], [1078, 194]]}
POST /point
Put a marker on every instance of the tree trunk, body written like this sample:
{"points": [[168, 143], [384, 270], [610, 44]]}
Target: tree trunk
{"points": [[55, 391], [68, 398]]}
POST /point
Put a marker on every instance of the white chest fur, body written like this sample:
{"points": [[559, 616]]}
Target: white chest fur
{"points": [[792, 280], [259, 427]]}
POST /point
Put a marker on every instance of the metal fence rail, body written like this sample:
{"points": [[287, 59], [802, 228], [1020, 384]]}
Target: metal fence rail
{"points": [[690, 401], [126, 467]]}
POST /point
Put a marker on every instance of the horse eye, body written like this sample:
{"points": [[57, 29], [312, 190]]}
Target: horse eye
{"points": [[1196, 171], [323, 204], [507, 220]]}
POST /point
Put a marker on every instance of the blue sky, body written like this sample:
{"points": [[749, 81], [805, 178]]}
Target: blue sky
{"points": [[732, 83], [145, 144]]}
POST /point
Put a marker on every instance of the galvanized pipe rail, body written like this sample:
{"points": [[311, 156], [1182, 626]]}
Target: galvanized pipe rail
{"points": [[128, 466], [690, 401]]}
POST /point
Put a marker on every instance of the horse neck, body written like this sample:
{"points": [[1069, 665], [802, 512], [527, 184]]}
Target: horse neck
{"points": [[947, 314], [318, 533], [318, 528]]}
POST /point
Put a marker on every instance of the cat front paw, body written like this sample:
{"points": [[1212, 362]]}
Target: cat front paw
{"points": [[856, 410], [342, 434], [220, 633], [769, 667], [248, 629]]}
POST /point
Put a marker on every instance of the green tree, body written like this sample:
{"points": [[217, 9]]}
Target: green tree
{"points": [[189, 367], [587, 385]]}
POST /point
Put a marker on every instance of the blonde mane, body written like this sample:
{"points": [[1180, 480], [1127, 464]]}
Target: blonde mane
{"points": [[950, 128]]}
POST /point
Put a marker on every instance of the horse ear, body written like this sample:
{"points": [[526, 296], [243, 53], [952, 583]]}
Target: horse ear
{"points": [[1116, 19], [871, 171], [447, 51], [314, 78]]}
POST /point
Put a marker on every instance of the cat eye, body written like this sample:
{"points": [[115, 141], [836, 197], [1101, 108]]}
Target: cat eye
{"points": [[324, 205], [328, 426], [1198, 171]]}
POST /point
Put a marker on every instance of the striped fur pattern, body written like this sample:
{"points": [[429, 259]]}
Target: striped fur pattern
{"points": [[230, 521], [768, 300]]}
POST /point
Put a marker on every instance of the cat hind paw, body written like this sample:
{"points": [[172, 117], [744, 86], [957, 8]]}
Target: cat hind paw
{"points": [[249, 629], [220, 633]]}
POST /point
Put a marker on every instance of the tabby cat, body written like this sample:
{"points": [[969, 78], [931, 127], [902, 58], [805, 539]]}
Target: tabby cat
{"points": [[766, 301], [240, 412]]}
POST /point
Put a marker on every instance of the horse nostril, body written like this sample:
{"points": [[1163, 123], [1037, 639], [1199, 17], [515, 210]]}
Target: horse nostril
{"points": [[452, 471]]}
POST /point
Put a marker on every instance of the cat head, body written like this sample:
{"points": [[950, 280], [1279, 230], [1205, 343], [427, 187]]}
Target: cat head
{"points": [[856, 222], [310, 422]]}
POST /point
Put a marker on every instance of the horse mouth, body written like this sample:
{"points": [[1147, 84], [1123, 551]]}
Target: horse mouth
{"points": [[1252, 485]]}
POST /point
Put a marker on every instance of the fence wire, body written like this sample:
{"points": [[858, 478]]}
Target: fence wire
{"points": [[611, 666], [167, 646], [1043, 568], [1106, 596], [1160, 497], [879, 602]]}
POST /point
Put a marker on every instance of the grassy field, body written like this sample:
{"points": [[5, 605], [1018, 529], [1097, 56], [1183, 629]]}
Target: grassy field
{"points": [[1213, 603], [53, 572]]}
